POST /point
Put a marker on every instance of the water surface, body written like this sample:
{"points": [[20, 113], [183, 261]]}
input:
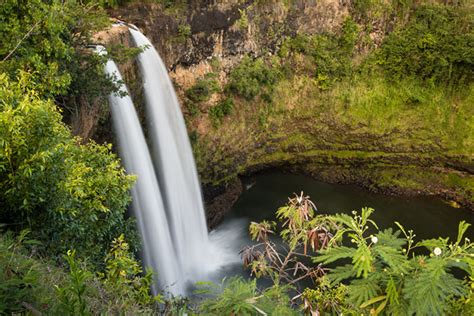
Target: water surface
{"points": [[429, 217]]}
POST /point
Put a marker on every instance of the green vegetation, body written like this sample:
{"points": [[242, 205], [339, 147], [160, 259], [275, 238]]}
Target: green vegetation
{"points": [[388, 272], [434, 45], [37, 37], [70, 196], [202, 90], [184, 31], [34, 285], [411, 94], [240, 297], [252, 77], [383, 271], [219, 111], [328, 56]]}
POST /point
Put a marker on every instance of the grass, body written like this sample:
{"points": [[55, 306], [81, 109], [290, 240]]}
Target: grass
{"points": [[362, 122]]}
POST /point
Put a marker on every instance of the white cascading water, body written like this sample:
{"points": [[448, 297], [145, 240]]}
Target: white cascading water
{"points": [[148, 207], [175, 166]]}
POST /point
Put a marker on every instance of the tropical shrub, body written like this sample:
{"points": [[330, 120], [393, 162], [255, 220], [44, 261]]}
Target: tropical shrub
{"points": [[388, 271], [69, 195], [30, 284], [330, 55], [252, 77], [124, 275], [48, 39]]}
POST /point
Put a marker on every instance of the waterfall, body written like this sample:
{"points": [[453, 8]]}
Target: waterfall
{"points": [[158, 249], [175, 166]]}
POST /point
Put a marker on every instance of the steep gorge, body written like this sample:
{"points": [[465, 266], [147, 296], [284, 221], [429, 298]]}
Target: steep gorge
{"points": [[301, 126]]}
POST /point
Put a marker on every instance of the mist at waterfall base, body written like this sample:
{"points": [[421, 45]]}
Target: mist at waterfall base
{"points": [[166, 199]]}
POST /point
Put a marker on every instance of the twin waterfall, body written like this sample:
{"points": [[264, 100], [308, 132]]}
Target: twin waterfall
{"points": [[167, 200]]}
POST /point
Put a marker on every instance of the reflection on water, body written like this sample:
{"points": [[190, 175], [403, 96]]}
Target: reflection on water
{"points": [[427, 216]]}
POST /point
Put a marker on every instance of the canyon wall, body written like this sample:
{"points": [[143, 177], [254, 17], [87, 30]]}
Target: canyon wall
{"points": [[198, 38]]}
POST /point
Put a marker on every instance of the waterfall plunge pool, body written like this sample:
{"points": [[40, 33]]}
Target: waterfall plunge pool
{"points": [[263, 194]]}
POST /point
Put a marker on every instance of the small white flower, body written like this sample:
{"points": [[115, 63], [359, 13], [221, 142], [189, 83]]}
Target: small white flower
{"points": [[374, 239], [437, 251]]}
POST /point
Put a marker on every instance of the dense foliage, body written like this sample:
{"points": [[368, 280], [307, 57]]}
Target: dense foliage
{"points": [[48, 40], [240, 297], [391, 272], [252, 77], [329, 54], [33, 285], [71, 196], [203, 89], [435, 45]]}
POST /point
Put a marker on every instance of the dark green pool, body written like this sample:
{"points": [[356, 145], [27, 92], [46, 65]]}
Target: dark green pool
{"points": [[429, 217]]}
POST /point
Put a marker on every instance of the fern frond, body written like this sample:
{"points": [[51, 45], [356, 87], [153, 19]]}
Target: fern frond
{"points": [[362, 260], [463, 226], [393, 258], [333, 254], [340, 274], [362, 290], [388, 237], [428, 291], [343, 219]]}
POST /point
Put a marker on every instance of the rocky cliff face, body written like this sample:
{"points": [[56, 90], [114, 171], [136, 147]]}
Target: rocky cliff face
{"points": [[211, 37]]}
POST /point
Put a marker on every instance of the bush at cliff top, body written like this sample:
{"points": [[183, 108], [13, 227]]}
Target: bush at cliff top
{"points": [[435, 45], [71, 196]]}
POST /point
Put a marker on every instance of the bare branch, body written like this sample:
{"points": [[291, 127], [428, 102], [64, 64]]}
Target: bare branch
{"points": [[21, 40]]}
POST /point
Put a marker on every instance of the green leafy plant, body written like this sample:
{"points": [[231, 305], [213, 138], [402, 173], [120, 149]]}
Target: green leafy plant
{"points": [[72, 296], [202, 90], [18, 276], [329, 56], [386, 275], [251, 77], [124, 275], [243, 21], [184, 30], [68, 194], [219, 111], [239, 297]]}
